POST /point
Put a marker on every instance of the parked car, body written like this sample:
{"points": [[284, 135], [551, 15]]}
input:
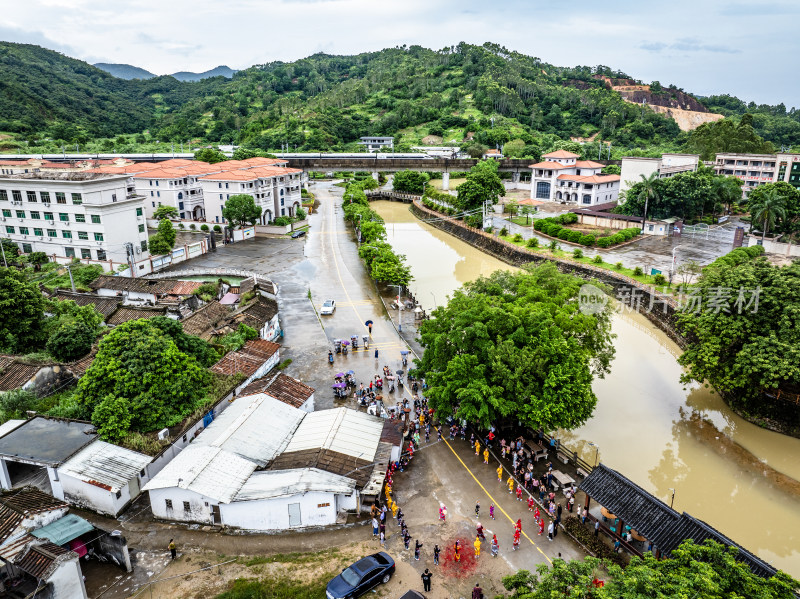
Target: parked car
{"points": [[328, 307], [298, 234], [362, 576], [413, 595]]}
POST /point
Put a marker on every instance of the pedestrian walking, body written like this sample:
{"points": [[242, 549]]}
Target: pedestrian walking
{"points": [[536, 515], [395, 509], [495, 546], [486, 455], [442, 512], [439, 434], [479, 531], [491, 511], [369, 326], [417, 547], [556, 522], [406, 538], [515, 544], [558, 511], [173, 550], [584, 513], [596, 528], [399, 514], [550, 531], [426, 580], [477, 448], [457, 551], [510, 483], [519, 493], [518, 525], [477, 509], [570, 503], [376, 353], [530, 503], [374, 527], [383, 539], [477, 592], [541, 526], [500, 473], [436, 552], [477, 545]]}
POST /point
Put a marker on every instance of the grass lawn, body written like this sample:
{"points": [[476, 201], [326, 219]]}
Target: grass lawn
{"points": [[437, 183], [521, 220]]}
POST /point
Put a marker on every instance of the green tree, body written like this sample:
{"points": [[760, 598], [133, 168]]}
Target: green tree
{"points": [[241, 209], [482, 185], [768, 209], [612, 169], [475, 150], [727, 136], [71, 341], [409, 181], [516, 345], [112, 416], [726, 190], [514, 149], [22, 309], [142, 369], [195, 347], [209, 155], [165, 211], [164, 239], [245, 153], [527, 210], [790, 197], [648, 191], [10, 249], [16, 403]]}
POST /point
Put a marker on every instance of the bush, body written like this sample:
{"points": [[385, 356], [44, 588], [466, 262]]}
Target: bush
{"points": [[517, 238], [14, 403], [575, 236], [618, 238], [193, 227], [660, 279], [598, 259], [300, 214], [489, 229], [532, 242], [577, 253], [282, 221], [638, 272], [564, 234], [588, 240], [217, 229], [603, 242], [204, 228], [181, 226], [206, 291], [554, 246], [71, 341], [618, 266], [503, 232]]}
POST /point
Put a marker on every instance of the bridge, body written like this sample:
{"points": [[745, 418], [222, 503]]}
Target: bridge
{"points": [[375, 164]]}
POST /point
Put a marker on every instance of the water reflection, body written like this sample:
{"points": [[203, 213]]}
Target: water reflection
{"points": [[660, 433]]}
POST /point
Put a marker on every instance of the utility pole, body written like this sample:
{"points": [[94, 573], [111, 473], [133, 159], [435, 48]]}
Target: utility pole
{"points": [[71, 280], [129, 251], [2, 249]]}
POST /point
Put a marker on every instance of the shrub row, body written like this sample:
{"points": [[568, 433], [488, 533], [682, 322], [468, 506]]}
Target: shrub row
{"points": [[738, 256], [553, 228]]}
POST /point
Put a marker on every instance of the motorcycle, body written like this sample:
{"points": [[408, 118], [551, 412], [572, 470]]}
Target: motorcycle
{"points": [[390, 382], [366, 342], [354, 340], [330, 357], [337, 345]]}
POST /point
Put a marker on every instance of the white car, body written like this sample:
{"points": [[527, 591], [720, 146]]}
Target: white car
{"points": [[328, 307]]}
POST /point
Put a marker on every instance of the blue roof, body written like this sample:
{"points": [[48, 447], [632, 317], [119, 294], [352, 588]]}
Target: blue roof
{"points": [[64, 529]]}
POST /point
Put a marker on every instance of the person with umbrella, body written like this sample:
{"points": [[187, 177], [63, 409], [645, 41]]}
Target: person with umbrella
{"points": [[404, 354], [369, 326]]}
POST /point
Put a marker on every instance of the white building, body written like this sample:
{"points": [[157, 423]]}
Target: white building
{"points": [[758, 169], [375, 144], [492, 154], [82, 215], [561, 177], [669, 165], [176, 187]]}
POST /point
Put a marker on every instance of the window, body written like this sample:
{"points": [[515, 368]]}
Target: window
{"points": [[138, 212], [226, 186], [151, 193], [17, 195], [113, 197], [144, 246], [101, 254], [27, 248], [45, 196], [183, 215], [20, 214], [63, 217], [10, 229], [187, 507], [83, 235], [141, 228], [156, 183], [80, 218], [52, 233], [48, 216], [180, 195], [543, 190], [61, 197], [3, 195], [168, 503], [23, 230], [35, 215], [86, 253], [323, 505], [154, 204], [69, 252], [38, 232], [158, 194], [96, 219], [180, 205], [6, 213], [31, 196], [98, 237], [66, 234]]}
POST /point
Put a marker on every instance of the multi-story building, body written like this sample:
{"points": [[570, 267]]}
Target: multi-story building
{"points": [[376, 144], [275, 188], [669, 165], [758, 169], [561, 177], [91, 216]]}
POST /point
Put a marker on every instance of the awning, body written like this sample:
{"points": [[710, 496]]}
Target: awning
{"points": [[64, 529]]}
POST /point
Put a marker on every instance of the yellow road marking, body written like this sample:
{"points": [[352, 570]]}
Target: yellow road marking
{"points": [[494, 501]]}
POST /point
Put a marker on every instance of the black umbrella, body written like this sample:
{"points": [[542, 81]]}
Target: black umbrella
{"points": [[400, 371]]}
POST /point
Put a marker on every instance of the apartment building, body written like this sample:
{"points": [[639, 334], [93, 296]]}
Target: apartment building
{"points": [[376, 144], [275, 188], [561, 177], [669, 165], [91, 216], [758, 169]]}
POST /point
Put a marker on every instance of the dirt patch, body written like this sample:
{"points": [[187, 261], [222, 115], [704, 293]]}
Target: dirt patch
{"points": [[431, 140], [688, 119]]}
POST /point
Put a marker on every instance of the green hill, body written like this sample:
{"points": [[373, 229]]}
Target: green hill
{"points": [[124, 71], [481, 95]]}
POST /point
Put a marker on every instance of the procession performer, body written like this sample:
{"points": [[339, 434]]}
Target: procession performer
{"points": [[442, 512]]}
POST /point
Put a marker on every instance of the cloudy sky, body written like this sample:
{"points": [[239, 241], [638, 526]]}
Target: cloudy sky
{"points": [[749, 49]]}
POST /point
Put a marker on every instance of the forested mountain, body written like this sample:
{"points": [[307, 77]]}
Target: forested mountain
{"points": [[220, 71], [480, 95], [124, 71]]}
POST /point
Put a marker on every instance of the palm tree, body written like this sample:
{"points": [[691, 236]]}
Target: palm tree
{"points": [[768, 209], [648, 192], [726, 191]]}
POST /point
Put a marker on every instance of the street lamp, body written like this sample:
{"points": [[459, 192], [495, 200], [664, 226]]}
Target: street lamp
{"points": [[399, 308], [672, 499], [596, 450], [672, 269], [434, 300]]}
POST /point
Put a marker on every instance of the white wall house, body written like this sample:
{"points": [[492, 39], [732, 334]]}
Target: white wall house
{"points": [[669, 165], [74, 215], [375, 144], [759, 169], [176, 187], [101, 477], [561, 177]]}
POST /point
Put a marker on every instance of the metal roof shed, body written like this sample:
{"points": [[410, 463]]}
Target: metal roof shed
{"points": [[46, 441], [105, 465], [64, 529], [285, 483], [341, 430]]}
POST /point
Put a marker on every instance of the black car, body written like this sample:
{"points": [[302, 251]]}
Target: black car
{"points": [[365, 574], [298, 234]]}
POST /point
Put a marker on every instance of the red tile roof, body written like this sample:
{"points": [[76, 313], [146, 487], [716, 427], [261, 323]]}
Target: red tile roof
{"points": [[560, 154], [232, 175], [248, 359], [551, 165], [14, 374], [162, 173], [185, 287], [282, 387], [590, 179], [40, 558], [588, 164]]}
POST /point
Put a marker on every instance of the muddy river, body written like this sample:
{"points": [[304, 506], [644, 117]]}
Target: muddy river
{"points": [[663, 435]]}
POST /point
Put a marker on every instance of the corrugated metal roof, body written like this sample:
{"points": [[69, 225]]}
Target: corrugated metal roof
{"points": [[209, 471], [257, 428], [283, 483], [9, 425], [229, 299], [341, 430], [105, 465], [64, 529]]}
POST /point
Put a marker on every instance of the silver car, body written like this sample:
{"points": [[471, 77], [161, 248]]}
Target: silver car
{"points": [[328, 307]]}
